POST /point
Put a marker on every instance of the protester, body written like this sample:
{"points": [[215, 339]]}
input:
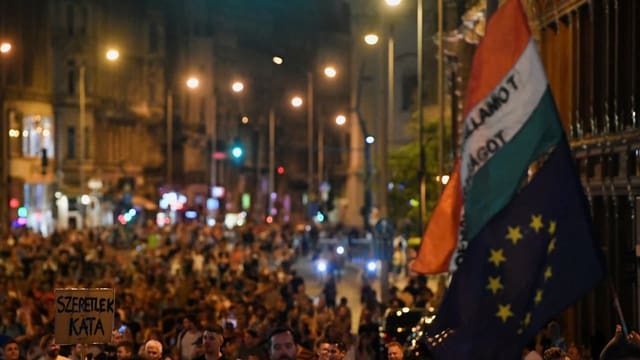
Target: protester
{"points": [[10, 350], [395, 351], [621, 347], [212, 342], [554, 353], [124, 350], [282, 344]]}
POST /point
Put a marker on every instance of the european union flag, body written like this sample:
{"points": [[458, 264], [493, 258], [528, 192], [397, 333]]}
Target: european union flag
{"points": [[531, 261]]}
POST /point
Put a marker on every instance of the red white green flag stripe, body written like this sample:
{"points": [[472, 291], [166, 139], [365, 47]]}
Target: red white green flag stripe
{"points": [[510, 120]]}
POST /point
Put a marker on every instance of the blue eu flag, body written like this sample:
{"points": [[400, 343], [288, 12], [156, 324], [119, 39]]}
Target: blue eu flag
{"points": [[532, 260]]}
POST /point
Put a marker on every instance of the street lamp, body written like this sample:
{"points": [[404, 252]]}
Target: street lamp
{"points": [[330, 72], [371, 39], [341, 119], [296, 101], [112, 54], [5, 49], [237, 86], [193, 82]]}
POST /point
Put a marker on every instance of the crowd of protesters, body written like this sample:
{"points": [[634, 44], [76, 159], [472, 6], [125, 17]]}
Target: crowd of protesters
{"points": [[189, 292], [172, 283]]}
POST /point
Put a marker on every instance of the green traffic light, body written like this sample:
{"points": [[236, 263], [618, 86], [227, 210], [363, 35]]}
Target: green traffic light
{"points": [[236, 152]]}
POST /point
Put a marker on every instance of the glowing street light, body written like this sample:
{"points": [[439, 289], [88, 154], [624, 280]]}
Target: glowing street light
{"points": [[330, 72], [112, 54], [371, 39], [296, 101], [237, 86], [277, 60], [393, 2], [341, 119], [5, 47], [193, 82]]}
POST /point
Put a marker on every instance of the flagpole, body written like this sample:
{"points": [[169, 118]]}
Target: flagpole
{"points": [[616, 302]]}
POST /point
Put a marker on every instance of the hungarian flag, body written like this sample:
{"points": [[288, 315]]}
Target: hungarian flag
{"points": [[510, 121], [532, 251]]}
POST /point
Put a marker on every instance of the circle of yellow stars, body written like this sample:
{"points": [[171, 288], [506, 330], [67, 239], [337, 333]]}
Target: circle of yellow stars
{"points": [[497, 257]]}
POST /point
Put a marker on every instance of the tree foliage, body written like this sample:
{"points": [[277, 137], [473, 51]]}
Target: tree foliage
{"points": [[404, 165]]}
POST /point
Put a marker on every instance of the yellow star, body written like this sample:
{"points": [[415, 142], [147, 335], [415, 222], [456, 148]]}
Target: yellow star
{"points": [[552, 227], [551, 246], [494, 284], [514, 234], [538, 297], [527, 319], [536, 222], [504, 312], [497, 257], [548, 273]]}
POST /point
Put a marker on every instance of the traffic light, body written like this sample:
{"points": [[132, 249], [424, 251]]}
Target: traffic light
{"points": [[280, 170], [237, 151]]}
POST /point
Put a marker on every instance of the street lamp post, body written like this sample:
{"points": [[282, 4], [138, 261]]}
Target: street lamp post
{"points": [[169, 120], [5, 48], [310, 113], [82, 119], [272, 159], [421, 168]]}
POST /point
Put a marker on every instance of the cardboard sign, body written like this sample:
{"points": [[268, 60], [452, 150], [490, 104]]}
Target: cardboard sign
{"points": [[84, 316]]}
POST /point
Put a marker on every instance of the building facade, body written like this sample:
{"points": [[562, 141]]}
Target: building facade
{"points": [[91, 137]]}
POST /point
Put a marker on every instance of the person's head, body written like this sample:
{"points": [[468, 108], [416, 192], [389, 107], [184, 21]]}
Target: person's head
{"points": [[322, 349], [230, 346], [153, 350], [330, 349], [554, 353], [212, 340], [337, 350], [11, 350], [574, 353], [124, 350], [395, 351], [189, 322], [282, 344], [49, 347], [251, 338]]}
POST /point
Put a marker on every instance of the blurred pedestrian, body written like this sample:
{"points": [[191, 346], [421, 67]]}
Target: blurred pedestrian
{"points": [[124, 350], [212, 342], [152, 350], [554, 353], [621, 347], [11, 351], [50, 350], [282, 344], [395, 351]]}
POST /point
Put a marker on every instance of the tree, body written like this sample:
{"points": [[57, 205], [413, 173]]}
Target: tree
{"points": [[403, 173]]}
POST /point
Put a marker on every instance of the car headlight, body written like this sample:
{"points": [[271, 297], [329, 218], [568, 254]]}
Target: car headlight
{"points": [[372, 266], [321, 266]]}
